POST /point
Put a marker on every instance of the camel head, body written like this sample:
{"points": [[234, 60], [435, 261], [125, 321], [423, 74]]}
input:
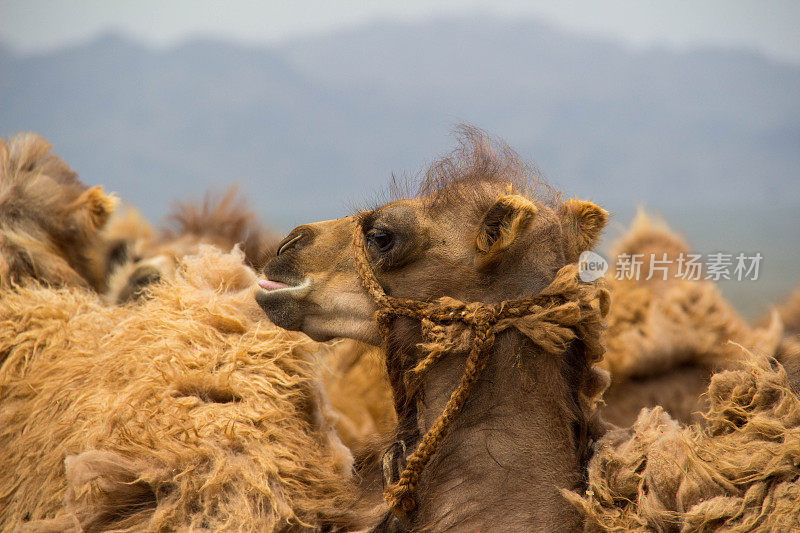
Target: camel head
{"points": [[478, 230], [50, 223]]}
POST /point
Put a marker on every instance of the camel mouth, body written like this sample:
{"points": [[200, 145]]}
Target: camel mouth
{"points": [[269, 287]]}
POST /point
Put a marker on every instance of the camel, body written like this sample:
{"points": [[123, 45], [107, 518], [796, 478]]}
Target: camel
{"points": [[187, 411], [50, 223], [498, 424], [478, 231]]}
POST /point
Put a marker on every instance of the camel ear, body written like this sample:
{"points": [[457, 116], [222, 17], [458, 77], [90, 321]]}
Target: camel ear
{"points": [[98, 205], [503, 222], [587, 219]]}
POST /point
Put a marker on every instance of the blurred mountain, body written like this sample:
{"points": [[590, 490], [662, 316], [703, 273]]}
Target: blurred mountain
{"points": [[315, 124]]}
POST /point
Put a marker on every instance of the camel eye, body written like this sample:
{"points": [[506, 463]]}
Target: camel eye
{"points": [[380, 240]]}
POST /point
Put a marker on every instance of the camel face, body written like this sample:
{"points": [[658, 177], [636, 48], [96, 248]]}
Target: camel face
{"points": [[465, 240], [312, 284], [50, 223]]}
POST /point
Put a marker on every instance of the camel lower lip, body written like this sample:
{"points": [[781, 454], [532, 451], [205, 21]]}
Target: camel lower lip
{"points": [[269, 285]]}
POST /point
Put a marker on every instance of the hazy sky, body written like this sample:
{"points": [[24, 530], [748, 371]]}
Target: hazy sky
{"points": [[770, 26]]}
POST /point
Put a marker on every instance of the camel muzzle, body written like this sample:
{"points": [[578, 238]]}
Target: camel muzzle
{"points": [[281, 302]]}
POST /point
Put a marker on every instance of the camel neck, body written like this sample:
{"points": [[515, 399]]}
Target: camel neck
{"points": [[509, 452]]}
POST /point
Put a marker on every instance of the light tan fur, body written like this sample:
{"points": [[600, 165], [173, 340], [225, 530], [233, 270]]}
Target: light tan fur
{"points": [[509, 217], [354, 377], [590, 220], [128, 226], [188, 411]]}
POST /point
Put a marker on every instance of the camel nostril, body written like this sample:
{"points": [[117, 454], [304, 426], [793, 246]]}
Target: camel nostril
{"points": [[288, 242]]}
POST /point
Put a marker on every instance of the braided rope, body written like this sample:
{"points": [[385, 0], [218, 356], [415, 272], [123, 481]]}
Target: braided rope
{"points": [[561, 312]]}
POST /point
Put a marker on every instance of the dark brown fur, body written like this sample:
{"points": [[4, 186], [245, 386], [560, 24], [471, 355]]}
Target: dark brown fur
{"points": [[668, 335], [788, 353]]}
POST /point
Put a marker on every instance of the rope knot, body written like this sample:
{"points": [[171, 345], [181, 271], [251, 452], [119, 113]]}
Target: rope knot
{"points": [[448, 309], [478, 314]]}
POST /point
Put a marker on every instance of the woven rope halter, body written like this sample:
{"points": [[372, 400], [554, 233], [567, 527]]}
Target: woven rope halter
{"points": [[565, 310]]}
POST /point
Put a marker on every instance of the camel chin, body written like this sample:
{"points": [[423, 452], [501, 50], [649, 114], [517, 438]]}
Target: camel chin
{"points": [[293, 307]]}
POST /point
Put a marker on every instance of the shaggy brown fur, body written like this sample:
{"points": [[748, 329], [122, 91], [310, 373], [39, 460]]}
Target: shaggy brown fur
{"points": [[666, 337], [738, 472], [185, 412], [222, 222], [50, 223], [788, 352]]}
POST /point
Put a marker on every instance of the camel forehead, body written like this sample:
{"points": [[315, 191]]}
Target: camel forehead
{"points": [[422, 210], [403, 209]]}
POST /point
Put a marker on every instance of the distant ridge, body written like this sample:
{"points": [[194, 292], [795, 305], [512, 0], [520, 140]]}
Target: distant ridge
{"points": [[310, 126]]}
